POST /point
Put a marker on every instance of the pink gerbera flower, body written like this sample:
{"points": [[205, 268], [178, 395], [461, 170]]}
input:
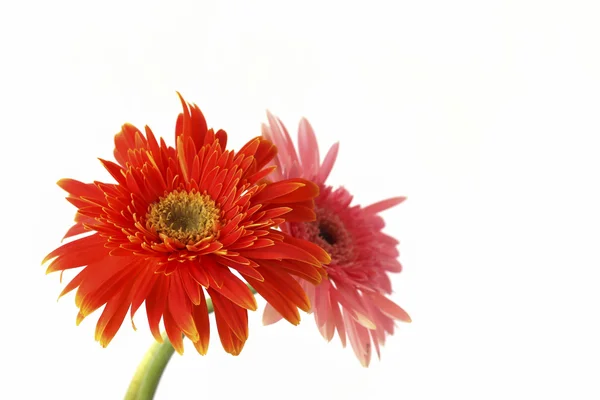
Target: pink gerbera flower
{"points": [[353, 300]]}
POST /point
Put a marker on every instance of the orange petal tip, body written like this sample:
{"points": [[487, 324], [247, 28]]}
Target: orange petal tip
{"points": [[200, 348]]}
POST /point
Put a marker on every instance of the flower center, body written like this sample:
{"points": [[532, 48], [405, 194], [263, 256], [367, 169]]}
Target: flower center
{"points": [[184, 216], [329, 232]]}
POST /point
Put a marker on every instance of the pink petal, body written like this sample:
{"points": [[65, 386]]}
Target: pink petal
{"points": [[321, 304], [328, 162], [270, 315], [281, 139], [352, 302], [337, 316], [383, 205], [376, 343], [308, 149], [309, 289], [359, 340], [389, 308]]}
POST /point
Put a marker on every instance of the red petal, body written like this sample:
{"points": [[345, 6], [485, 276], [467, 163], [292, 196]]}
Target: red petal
{"points": [[115, 171], [75, 282], [281, 250], [80, 189], [278, 189], [261, 174], [287, 286], [155, 305], [183, 162], [199, 126], [265, 153], [249, 149], [232, 324], [91, 301], [112, 317], [282, 304], [191, 286], [77, 253], [309, 247], [141, 290], [98, 274], [180, 307], [229, 239], [128, 139], [236, 317], [173, 332], [300, 269], [76, 229], [214, 271], [306, 192], [197, 272], [236, 291], [244, 269], [300, 214], [200, 315], [221, 136]]}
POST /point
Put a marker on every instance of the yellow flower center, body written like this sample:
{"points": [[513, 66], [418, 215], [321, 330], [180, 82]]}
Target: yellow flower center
{"points": [[187, 217]]}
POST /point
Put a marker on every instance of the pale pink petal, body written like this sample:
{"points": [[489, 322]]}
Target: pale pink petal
{"points": [[351, 302], [359, 340], [392, 266], [383, 205], [309, 289], [382, 322], [308, 149], [270, 315], [389, 308], [266, 132], [280, 138], [294, 171], [277, 174], [337, 316], [288, 141], [321, 305], [375, 343], [327, 164], [384, 283], [327, 329]]}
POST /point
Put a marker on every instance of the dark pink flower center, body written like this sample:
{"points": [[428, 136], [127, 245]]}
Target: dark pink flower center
{"points": [[326, 234], [329, 232]]}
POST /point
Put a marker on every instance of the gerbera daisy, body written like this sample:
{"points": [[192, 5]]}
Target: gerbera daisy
{"points": [[174, 226], [353, 299]]}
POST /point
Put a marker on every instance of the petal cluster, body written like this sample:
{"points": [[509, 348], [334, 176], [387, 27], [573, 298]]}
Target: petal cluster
{"points": [[352, 300], [183, 223]]}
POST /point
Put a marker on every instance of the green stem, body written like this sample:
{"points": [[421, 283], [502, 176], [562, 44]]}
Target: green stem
{"points": [[148, 373]]}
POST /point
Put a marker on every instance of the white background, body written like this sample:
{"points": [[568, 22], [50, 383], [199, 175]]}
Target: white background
{"points": [[485, 114]]}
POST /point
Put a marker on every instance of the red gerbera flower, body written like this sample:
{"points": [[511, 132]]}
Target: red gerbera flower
{"points": [[176, 224], [352, 301]]}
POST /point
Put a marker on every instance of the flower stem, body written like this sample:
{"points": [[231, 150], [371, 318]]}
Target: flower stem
{"points": [[147, 376]]}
